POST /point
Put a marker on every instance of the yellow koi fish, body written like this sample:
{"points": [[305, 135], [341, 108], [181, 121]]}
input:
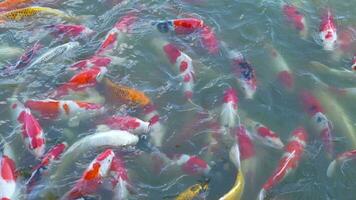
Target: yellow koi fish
{"points": [[193, 191], [22, 13]]}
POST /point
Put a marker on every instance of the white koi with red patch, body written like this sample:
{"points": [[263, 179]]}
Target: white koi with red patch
{"points": [[120, 179], [228, 115], [158, 131], [31, 131], [94, 61], [191, 164], [98, 169], [7, 178], [340, 160], [127, 123], [327, 31], [293, 152]]}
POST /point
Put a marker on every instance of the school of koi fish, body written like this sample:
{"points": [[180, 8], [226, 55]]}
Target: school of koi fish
{"points": [[152, 100]]}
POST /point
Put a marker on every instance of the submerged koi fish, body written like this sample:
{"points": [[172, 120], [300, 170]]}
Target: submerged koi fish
{"points": [[263, 134], [228, 115], [65, 109], [124, 25], [296, 18], [98, 169], [70, 30], [328, 31], [13, 4], [157, 131], [244, 72], [191, 164], [289, 161], [353, 66], [120, 94], [209, 40], [340, 160], [180, 26], [120, 179], [127, 123], [7, 178], [42, 168], [31, 131], [92, 62], [22, 13], [84, 79], [195, 191], [322, 124]]}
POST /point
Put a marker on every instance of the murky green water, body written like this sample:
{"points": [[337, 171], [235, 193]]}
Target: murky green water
{"points": [[248, 26]]}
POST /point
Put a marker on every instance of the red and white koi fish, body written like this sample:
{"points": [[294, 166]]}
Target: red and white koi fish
{"points": [[120, 179], [244, 72], [191, 164], [31, 130], [124, 25], [92, 62], [7, 178], [296, 18], [353, 66], [127, 123], [98, 169], [289, 161], [209, 40], [65, 109], [84, 79], [328, 31], [48, 158], [228, 115], [180, 26], [70, 30], [157, 131], [280, 67], [340, 160], [246, 147], [185, 66], [322, 124], [263, 134]]}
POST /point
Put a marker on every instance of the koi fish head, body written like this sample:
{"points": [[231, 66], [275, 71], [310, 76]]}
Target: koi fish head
{"points": [[294, 16], [328, 33], [195, 165], [300, 135], [99, 168], [230, 96], [270, 138]]}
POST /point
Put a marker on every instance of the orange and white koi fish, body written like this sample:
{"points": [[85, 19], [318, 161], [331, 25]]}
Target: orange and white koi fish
{"points": [[7, 5], [228, 115], [65, 109], [7, 178], [120, 179], [92, 177], [127, 123], [124, 25], [296, 18], [31, 131], [289, 161], [42, 168], [157, 131], [180, 26], [322, 124], [340, 160], [92, 62], [263, 134], [245, 73], [84, 79], [70, 31], [328, 31]]}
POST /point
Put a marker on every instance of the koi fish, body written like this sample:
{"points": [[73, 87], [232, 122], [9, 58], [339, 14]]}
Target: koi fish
{"points": [[120, 179], [70, 30], [228, 115], [120, 94], [127, 123], [342, 75], [42, 168], [340, 160], [65, 109], [263, 134], [7, 178], [13, 4], [322, 124], [195, 191], [98, 169], [22, 13], [328, 31], [244, 72], [124, 25], [185, 66], [353, 66], [157, 131], [296, 18], [180, 26], [209, 40], [191, 164], [84, 79], [237, 189], [31, 130], [281, 68], [92, 62], [289, 161]]}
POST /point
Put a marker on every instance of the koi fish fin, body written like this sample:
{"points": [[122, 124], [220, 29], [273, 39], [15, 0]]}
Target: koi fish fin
{"points": [[235, 156], [262, 195], [331, 168]]}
